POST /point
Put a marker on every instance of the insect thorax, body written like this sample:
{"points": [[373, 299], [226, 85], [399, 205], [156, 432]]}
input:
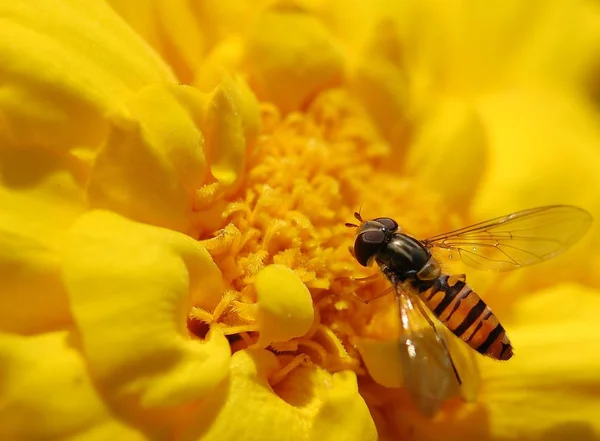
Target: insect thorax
{"points": [[403, 256]]}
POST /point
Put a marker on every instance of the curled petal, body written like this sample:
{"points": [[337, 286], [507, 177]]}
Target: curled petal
{"points": [[57, 87], [231, 125], [44, 377], [200, 26], [285, 308], [343, 414], [308, 405], [152, 163], [130, 289], [40, 196], [382, 359], [450, 151], [290, 57], [380, 81]]}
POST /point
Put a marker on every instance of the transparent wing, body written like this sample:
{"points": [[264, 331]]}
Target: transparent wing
{"points": [[430, 373], [519, 239]]}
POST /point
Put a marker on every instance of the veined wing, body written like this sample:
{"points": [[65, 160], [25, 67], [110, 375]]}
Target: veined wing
{"points": [[516, 240], [430, 373]]}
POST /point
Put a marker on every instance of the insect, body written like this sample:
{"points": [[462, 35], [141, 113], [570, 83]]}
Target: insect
{"points": [[501, 244]]}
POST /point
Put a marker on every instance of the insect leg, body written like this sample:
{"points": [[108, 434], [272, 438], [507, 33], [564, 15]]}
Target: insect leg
{"points": [[367, 278], [299, 360], [377, 296], [438, 337], [359, 279]]}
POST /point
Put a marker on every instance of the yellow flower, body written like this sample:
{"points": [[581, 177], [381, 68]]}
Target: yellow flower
{"points": [[175, 180]]}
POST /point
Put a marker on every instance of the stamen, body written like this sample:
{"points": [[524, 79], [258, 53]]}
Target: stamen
{"points": [[201, 314], [224, 304]]}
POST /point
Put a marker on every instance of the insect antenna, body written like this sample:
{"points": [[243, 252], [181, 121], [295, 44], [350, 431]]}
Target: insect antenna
{"points": [[357, 215]]}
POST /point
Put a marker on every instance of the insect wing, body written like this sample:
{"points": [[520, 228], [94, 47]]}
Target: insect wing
{"points": [[428, 371], [516, 240]]}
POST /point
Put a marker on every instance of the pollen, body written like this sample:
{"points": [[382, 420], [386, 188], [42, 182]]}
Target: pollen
{"points": [[307, 175]]}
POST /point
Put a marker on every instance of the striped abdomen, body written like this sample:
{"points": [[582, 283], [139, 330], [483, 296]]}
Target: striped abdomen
{"points": [[467, 316]]}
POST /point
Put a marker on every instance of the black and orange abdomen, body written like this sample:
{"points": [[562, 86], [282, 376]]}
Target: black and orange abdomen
{"points": [[462, 311]]}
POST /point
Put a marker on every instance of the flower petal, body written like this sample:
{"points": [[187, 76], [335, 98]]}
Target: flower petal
{"points": [[382, 360], [380, 80], [285, 308], [57, 86], [310, 404], [130, 289], [45, 379], [469, 47], [550, 386], [529, 166], [231, 125], [563, 155], [451, 141], [343, 414], [152, 163], [181, 46], [40, 197], [291, 57]]}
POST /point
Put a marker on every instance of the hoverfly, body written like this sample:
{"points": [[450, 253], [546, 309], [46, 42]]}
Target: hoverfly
{"points": [[501, 244]]}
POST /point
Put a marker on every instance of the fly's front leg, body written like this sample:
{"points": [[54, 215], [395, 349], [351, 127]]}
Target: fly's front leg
{"points": [[370, 278], [367, 279]]}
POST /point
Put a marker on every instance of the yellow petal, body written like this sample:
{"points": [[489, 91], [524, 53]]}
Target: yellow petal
{"points": [[380, 80], [151, 165], [199, 28], [227, 56], [559, 40], [285, 308], [469, 47], [552, 383], [551, 132], [130, 287], [40, 196], [290, 58], [382, 359], [45, 378], [353, 20], [182, 45], [343, 414], [57, 85], [308, 405], [231, 125], [543, 150], [449, 151]]}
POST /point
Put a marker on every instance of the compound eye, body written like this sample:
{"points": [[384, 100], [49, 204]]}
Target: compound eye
{"points": [[367, 244], [389, 223]]}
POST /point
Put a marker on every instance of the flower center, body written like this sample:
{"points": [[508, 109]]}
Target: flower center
{"points": [[307, 175]]}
